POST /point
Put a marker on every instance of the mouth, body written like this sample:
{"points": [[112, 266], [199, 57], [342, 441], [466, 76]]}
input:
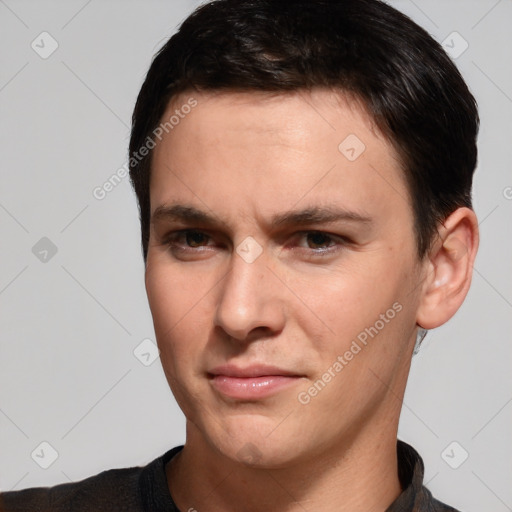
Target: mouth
{"points": [[251, 383]]}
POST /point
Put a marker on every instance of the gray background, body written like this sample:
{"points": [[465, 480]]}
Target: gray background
{"points": [[70, 324]]}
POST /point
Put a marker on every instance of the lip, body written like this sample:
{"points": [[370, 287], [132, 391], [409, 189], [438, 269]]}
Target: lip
{"points": [[255, 370], [251, 383]]}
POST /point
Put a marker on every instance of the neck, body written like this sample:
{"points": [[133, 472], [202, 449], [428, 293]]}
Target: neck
{"points": [[358, 473]]}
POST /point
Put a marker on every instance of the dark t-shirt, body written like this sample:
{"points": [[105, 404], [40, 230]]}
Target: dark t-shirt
{"points": [[144, 489]]}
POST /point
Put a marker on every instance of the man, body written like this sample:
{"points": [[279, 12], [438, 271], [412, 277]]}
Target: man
{"points": [[303, 171]]}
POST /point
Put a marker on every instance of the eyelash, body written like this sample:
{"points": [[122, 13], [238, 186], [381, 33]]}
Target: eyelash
{"points": [[171, 239]]}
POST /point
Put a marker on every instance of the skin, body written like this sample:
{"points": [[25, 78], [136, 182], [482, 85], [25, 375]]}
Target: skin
{"points": [[243, 158]]}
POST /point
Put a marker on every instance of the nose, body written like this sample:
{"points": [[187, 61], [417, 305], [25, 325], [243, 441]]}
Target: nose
{"points": [[250, 304]]}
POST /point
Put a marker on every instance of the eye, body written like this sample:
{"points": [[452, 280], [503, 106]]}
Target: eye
{"points": [[317, 238], [313, 243], [186, 239], [320, 243], [194, 238]]}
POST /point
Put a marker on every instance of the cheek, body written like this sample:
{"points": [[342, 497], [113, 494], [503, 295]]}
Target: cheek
{"points": [[178, 303], [162, 297], [354, 361], [171, 291], [346, 299], [366, 303]]}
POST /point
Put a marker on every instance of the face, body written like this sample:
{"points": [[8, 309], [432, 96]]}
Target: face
{"points": [[282, 273]]}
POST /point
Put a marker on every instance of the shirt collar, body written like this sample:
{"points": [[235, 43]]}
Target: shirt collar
{"points": [[415, 497]]}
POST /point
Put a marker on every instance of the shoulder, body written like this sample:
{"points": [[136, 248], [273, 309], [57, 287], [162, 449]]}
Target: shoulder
{"points": [[432, 505], [141, 488], [112, 490]]}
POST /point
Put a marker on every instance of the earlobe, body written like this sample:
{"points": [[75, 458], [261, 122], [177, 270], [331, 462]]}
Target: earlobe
{"points": [[450, 269]]}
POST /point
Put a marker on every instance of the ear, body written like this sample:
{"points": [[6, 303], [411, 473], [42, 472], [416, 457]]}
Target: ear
{"points": [[449, 269]]}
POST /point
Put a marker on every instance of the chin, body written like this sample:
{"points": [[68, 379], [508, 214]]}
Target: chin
{"points": [[257, 445]]}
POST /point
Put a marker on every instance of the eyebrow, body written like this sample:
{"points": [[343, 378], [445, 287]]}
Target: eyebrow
{"points": [[310, 215]]}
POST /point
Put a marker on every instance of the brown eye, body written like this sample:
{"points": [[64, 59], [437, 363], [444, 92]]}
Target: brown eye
{"points": [[195, 238], [186, 240], [316, 238], [318, 244]]}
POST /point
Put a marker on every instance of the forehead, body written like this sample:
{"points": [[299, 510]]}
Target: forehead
{"points": [[275, 149], [290, 112]]}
